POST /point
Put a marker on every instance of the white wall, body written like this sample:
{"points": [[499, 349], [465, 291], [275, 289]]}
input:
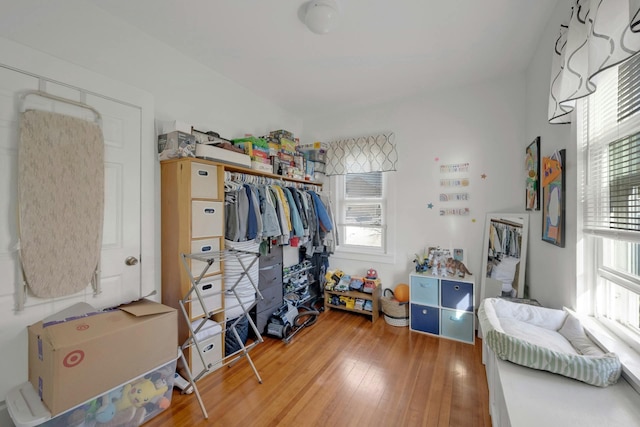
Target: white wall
{"points": [[551, 271], [482, 124]]}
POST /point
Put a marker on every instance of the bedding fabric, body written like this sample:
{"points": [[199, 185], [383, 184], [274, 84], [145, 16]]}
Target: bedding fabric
{"points": [[579, 359]]}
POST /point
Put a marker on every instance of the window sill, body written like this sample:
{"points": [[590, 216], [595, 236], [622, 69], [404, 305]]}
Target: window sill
{"points": [[606, 339], [362, 256]]}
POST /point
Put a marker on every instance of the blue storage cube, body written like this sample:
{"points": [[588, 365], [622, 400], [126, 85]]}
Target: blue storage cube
{"points": [[425, 319], [457, 325], [457, 295], [424, 290]]}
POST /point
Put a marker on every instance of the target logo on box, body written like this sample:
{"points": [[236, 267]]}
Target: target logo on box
{"points": [[73, 359]]}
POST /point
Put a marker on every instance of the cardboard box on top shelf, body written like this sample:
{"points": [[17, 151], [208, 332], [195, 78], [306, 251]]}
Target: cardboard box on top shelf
{"points": [[288, 145], [75, 357], [248, 143]]}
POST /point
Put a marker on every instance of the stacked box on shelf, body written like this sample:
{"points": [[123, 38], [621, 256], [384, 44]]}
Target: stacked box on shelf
{"points": [[274, 147], [281, 133], [258, 151], [315, 152], [251, 143], [288, 146]]}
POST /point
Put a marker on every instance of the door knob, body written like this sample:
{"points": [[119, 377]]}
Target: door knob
{"points": [[131, 260]]}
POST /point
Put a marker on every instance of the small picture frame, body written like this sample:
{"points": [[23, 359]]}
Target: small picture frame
{"points": [[532, 170]]}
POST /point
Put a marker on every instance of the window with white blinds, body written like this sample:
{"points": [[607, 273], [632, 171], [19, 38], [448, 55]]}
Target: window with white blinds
{"points": [[363, 208], [608, 134], [609, 143]]}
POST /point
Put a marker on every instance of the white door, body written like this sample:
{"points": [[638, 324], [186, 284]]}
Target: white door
{"points": [[121, 231]]}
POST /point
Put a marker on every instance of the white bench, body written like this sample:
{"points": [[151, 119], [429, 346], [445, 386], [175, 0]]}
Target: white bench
{"points": [[522, 397]]}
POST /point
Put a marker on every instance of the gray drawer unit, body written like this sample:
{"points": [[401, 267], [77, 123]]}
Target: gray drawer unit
{"points": [[270, 286], [273, 256], [270, 276]]}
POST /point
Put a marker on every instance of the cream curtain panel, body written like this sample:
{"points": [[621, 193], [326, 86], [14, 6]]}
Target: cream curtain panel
{"points": [[376, 153], [600, 34]]}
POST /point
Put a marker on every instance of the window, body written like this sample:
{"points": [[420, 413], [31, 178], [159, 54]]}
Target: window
{"points": [[609, 170], [361, 173], [362, 211]]}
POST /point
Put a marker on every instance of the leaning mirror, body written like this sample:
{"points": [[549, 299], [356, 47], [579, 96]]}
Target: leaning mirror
{"points": [[504, 255]]}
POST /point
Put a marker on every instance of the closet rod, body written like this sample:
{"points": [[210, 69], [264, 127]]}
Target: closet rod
{"points": [[252, 178], [506, 222], [60, 99]]}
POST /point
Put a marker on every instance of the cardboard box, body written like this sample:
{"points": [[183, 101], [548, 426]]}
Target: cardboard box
{"points": [[73, 359], [210, 152], [249, 143], [262, 167]]}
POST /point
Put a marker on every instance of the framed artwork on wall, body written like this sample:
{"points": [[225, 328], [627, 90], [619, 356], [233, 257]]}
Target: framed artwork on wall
{"points": [[553, 198], [532, 169]]}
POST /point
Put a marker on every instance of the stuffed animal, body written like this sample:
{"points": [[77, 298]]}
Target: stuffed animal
{"points": [[139, 393]]}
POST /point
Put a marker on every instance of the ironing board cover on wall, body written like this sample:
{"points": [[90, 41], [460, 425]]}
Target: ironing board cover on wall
{"points": [[61, 201]]}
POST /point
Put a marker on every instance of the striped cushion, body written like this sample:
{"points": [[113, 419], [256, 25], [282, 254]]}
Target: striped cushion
{"points": [[601, 370]]}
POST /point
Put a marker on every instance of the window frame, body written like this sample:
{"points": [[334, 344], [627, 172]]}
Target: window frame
{"points": [[385, 253]]}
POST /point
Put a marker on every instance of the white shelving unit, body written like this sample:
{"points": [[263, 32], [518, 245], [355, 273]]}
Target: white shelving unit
{"points": [[214, 331]]}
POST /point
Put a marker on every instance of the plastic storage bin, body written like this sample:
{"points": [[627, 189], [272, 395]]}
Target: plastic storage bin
{"points": [[130, 404]]}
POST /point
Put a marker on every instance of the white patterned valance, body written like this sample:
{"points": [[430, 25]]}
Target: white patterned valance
{"points": [[376, 153], [600, 34]]}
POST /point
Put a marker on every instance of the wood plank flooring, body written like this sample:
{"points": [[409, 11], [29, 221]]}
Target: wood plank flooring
{"points": [[344, 371]]}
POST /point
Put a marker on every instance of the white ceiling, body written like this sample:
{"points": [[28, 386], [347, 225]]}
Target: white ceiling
{"points": [[380, 51]]}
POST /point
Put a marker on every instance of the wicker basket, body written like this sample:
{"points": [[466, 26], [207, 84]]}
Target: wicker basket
{"points": [[395, 313]]}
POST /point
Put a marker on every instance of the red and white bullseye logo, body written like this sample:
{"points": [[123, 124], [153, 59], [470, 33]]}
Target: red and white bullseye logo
{"points": [[73, 359]]}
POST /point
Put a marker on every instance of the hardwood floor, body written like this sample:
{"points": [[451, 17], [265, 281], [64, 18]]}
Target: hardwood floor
{"points": [[344, 371]]}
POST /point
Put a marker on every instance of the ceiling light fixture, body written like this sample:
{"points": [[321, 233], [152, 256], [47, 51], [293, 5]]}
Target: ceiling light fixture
{"points": [[321, 16]]}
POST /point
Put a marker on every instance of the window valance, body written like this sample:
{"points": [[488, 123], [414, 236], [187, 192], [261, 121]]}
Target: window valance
{"points": [[600, 34], [376, 153]]}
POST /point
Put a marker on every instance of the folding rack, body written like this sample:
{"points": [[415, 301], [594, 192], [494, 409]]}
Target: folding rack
{"points": [[246, 260]]}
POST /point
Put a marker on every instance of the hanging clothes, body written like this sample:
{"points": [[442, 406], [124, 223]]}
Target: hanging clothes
{"points": [[296, 222], [270, 222]]}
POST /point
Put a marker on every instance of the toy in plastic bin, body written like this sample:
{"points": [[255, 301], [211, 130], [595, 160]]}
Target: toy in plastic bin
{"points": [[372, 274]]}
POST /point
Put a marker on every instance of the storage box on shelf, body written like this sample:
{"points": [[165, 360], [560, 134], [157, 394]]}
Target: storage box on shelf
{"points": [[373, 297], [442, 306]]}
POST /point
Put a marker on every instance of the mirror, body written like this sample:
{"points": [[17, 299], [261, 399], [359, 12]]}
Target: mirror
{"points": [[504, 255]]}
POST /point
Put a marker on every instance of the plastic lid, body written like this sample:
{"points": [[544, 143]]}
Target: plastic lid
{"points": [[25, 407]]}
